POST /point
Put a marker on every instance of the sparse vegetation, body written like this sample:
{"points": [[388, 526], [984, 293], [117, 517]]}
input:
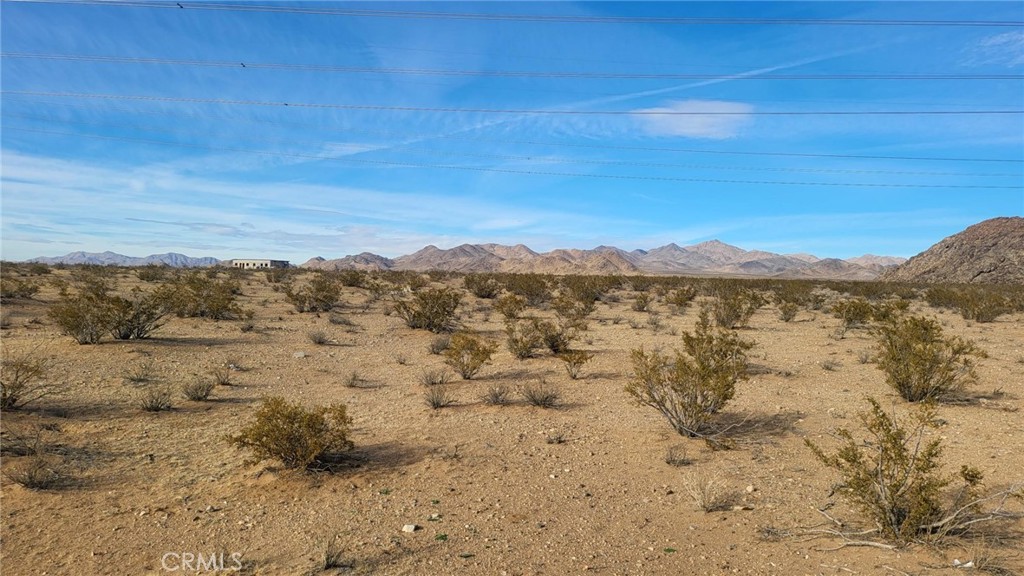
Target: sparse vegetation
{"points": [[435, 377], [432, 310], [155, 399], [920, 363], [691, 388], [467, 353], [23, 379], [498, 395], [541, 394], [319, 337], [321, 294], [198, 389], [895, 479], [438, 344], [574, 361], [708, 491], [733, 308], [523, 339], [438, 397], [296, 436]]}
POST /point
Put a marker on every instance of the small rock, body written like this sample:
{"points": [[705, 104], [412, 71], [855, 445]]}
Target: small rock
{"points": [[410, 528], [750, 489], [299, 355]]}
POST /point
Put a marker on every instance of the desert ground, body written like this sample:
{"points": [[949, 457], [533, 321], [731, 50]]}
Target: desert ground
{"points": [[581, 488]]}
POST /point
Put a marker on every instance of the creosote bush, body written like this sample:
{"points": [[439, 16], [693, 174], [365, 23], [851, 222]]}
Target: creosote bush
{"points": [[510, 306], [523, 339], [694, 386], [432, 309], [922, 364], [482, 285], [23, 379], [574, 361], [734, 307], [296, 436], [195, 295], [467, 353], [895, 479], [321, 294]]}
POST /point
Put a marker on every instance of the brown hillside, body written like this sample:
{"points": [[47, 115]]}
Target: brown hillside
{"points": [[990, 252]]}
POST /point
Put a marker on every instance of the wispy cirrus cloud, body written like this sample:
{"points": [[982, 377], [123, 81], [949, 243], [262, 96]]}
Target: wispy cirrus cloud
{"points": [[693, 122], [1005, 49]]}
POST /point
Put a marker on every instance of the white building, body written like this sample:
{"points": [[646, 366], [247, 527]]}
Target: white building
{"points": [[259, 264]]}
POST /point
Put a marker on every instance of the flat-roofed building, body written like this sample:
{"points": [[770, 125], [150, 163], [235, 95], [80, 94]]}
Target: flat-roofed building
{"points": [[259, 264]]}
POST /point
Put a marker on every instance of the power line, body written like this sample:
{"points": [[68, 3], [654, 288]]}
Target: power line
{"points": [[495, 73], [643, 164], [545, 18], [572, 144], [645, 112], [511, 171]]}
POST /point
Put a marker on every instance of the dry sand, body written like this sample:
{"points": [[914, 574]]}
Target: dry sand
{"points": [[492, 489]]}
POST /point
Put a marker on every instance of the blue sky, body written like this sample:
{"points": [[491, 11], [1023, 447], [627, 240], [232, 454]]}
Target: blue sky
{"points": [[137, 129]]}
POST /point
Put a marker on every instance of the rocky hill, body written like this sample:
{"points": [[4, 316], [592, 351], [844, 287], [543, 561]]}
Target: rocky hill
{"points": [[712, 257], [171, 259], [990, 252]]}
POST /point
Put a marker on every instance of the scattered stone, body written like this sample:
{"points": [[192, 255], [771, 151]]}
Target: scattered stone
{"points": [[750, 489], [410, 528], [299, 355]]}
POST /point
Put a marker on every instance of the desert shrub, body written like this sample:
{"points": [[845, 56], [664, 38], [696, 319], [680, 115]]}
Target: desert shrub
{"points": [[438, 397], [894, 478], [151, 273], [523, 339], [221, 375], [467, 353], [920, 363], [198, 390], [541, 394], [134, 317], [23, 379], [437, 377], [641, 303], [977, 304], [277, 275], [734, 307], [708, 491], [439, 343], [321, 294], [482, 285], [38, 471], [319, 337], [497, 395], [15, 288], [353, 278], [557, 337], [680, 298], [572, 309], [195, 295], [510, 306], [534, 288], [788, 311], [432, 309], [691, 388], [574, 361], [298, 437], [677, 456], [155, 399], [141, 373], [80, 316], [37, 269]]}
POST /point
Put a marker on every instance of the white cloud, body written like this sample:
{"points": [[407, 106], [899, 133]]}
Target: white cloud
{"points": [[1002, 49], [693, 123]]}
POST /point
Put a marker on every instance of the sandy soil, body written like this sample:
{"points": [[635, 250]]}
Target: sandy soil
{"points": [[492, 489]]}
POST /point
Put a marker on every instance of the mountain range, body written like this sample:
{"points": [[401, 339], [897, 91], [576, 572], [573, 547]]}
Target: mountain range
{"points": [[989, 252], [171, 259], [712, 257]]}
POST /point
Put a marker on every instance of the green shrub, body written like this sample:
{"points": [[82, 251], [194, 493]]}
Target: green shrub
{"points": [[432, 309], [920, 363], [691, 388], [195, 295], [296, 436], [973, 303], [15, 288], [134, 317], [642, 302], [321, 294], [534, 288], [556, 337], [151, 273], [680, 298], [80, 316], [467, 353], [894, 478], [574, 361], [510, 306], [523, 339], [482, 285], [788, 311], [734, 307]]}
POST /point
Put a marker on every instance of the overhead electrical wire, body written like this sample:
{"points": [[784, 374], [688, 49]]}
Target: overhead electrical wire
{"points": [[549, 18], [460, 136], [524, 111], [512, 171], [495, 73], [541, 159]]}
